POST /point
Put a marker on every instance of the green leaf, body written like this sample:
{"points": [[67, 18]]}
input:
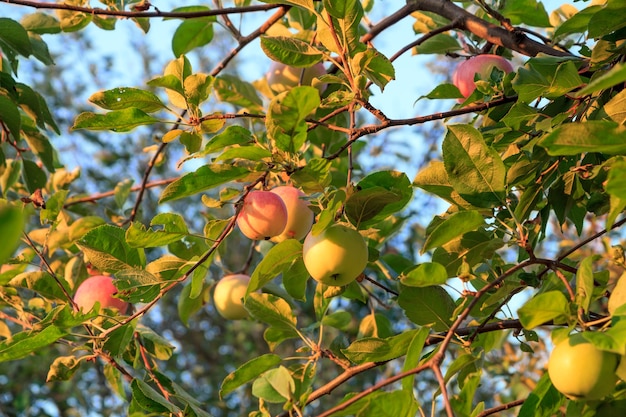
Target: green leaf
{"points": [[250, 153], [41, 146], [590, 136], [137, 285], [10, 115], [455, 225], [41, 282], [34, 177], [272, 310], [305, 4], [295, 280], [472, 247], [378, 195], [106, 248], [413, 356], [193, 33], [248, 372], [424, 275], [41, 23], [616, 75], [543, 401], [276, 260], [232, 135], [197, 88], [616, 108], [379, 404], [314, 177], [116, 121], [475, 170], [371, 349], [529, 12], [62, 368], [544, 307], [434, 179], [24, 343], [118, 340], [290, 51], [174, 229], [205, 178], [607, 19], [584, 283], [14, 37], [347, 16], [286, 115], [375, 66], [12, 222], [274, 386], [127, 97], [548, 77], [427, 306], [440, 44], [187, 305], [231, 89], [150, 399]]}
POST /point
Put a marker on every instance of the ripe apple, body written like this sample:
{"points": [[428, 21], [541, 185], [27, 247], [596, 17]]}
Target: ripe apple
{"points": [[228, 296], [263, 215], [299, 216], [463, 77], [336, 256], [581, 371], [281, 77], [98, 288]]}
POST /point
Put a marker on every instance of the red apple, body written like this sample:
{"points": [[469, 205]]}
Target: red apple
{"points": [[263, 215], [299, 216], [98, 288], [281, 77], [463, 77]]}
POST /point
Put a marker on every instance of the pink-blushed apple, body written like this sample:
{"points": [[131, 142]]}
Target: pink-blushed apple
{"points": [[463, 77], [98, 288], [263, 215], [336, 256], [299, 216], [281, 77], [581, 371], [229, 294]]}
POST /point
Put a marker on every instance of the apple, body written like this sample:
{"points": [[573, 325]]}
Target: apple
{"points": [[229, 294], [98, 288], [618, 295], [281, 77], [463, 77], [335, 256], [580, 370], [299, 216], [263, 215]]}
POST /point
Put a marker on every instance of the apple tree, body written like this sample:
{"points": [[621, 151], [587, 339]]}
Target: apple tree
{"points": [[360, 291]]}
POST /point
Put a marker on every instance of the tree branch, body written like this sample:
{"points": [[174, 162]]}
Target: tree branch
{"points": [[142, 14]]}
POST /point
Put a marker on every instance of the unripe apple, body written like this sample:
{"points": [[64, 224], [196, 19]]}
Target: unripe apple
{"points": [[229, 294], [463, 77], [299, 216], [98, 288], [336, 256], [263, 215], [580, 370], [281, 77]]}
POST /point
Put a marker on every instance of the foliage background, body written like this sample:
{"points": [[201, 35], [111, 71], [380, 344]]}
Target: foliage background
{"points": [[549, 212]]}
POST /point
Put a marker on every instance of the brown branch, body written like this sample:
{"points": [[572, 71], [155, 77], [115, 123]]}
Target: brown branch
{"points": [[371, 129], [141, 14], [95, 197], [502, 407]]}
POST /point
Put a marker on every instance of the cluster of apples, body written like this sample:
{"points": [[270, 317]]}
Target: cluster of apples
{"points": [[336, 256]]}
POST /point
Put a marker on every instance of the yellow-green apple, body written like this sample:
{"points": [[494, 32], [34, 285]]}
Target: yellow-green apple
{"points": [[281, 77], [98, 288], [299, 216], [229, 294], [463, 77], [263, 215], [580, 370], [336, 256], [618, 295]]}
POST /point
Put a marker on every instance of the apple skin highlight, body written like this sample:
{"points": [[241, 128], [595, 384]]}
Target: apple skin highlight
{"points": [[263, 215], [463, 77], [98, 288]]}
